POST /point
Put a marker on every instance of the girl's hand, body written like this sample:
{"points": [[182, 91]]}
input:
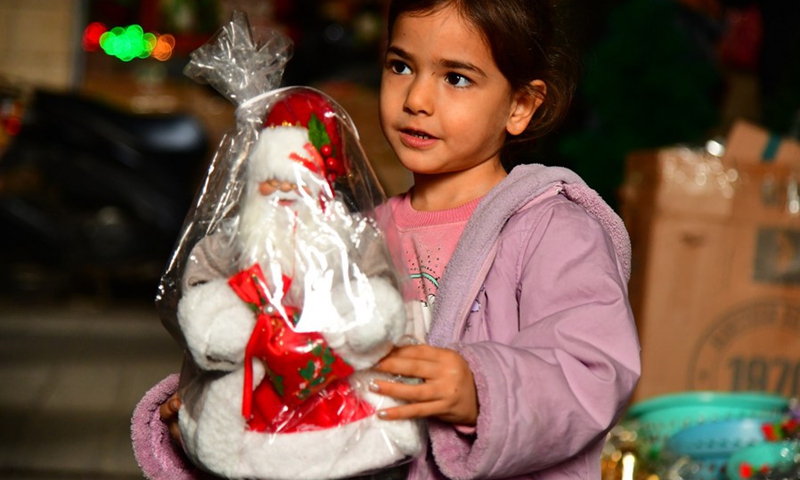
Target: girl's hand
{"points": [[447, 391], [168, 411]]}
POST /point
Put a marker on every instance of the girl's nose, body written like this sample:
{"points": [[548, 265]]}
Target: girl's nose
{"points": [[419, 99]]}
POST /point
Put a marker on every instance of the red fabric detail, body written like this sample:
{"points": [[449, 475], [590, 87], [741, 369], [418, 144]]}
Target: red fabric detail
{"points": [[337, 404], [298, 106], [315, 164], [306, 389], [296, 109]]}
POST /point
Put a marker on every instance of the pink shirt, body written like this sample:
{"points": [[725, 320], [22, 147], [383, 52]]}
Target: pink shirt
{"points": [[427, 241]]}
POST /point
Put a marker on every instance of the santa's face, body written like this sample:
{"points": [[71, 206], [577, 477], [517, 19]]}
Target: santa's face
{"points": [[283, 192], [282, 221], [285, 167], [285, 220]]}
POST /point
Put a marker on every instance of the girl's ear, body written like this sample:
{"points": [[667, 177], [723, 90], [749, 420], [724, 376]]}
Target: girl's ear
{"points": [[525, 104]]}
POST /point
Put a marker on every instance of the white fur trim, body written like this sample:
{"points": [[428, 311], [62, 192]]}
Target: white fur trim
{"points": [[374, 319], [221, 443], [216, 324], [270, 158]]}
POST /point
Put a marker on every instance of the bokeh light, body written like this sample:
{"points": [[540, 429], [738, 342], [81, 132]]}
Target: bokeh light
{"points": [[163, 48], [128, 43], [91, 36]]}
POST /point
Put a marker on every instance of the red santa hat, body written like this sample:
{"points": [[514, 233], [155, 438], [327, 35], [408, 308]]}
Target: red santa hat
{"points": [[302, 128]]}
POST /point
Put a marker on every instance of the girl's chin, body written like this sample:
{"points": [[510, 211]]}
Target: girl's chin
{"points": [[412, 161]]}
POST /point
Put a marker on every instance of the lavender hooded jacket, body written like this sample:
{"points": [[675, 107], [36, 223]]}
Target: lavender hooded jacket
{"points": [[535, 299]]}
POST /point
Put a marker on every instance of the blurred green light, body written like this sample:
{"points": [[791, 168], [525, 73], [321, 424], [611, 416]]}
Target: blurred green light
{"points": [[127, 43], [149, 41]]}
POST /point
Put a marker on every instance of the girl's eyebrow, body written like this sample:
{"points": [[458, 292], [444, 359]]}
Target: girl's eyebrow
{"points": [[448, 64], [399, 52], [459, 65]]}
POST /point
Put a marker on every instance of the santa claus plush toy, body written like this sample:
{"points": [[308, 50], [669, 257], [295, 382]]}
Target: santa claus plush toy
{"points": [[284, 309]]}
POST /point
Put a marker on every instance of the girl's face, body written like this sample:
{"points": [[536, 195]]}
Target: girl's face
{"points": [[445, 106]]}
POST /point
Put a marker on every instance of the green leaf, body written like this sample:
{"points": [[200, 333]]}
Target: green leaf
{"points": [[308, 371], [327, 356], [317, 133], [277, 382], [317, 381]]}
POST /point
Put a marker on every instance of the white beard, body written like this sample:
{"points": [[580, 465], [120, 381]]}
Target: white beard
{"points": [[293, 240]]}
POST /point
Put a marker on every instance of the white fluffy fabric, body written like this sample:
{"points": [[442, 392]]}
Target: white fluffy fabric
{"points": [[373, 321], [268, 234], [216, 324], [294, 237], [219, 441], [271, 157]]}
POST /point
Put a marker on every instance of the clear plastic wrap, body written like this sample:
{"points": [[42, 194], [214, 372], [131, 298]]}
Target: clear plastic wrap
{"points": [[282, 288]]}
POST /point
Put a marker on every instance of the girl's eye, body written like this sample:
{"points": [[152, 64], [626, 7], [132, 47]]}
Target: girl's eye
{"points": [[399, 67], [457, 80]]}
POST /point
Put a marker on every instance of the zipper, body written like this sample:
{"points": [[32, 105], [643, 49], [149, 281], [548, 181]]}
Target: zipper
{"points": [[463, 313]]}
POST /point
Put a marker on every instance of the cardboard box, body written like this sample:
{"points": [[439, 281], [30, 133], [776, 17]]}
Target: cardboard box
{"points": [[749, 143], [715, 283]]}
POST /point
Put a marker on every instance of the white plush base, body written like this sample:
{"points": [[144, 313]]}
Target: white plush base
{"points": [[219, 442]]}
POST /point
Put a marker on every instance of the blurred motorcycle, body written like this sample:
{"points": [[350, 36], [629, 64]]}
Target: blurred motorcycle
{"points": [[90, 194]]}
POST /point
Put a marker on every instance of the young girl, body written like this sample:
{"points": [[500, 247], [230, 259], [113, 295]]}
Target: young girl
{"points": [[530, 350]]}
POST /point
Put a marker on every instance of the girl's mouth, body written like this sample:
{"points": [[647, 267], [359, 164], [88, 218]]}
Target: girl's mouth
{"points": [[417, 133], [416, 138]]}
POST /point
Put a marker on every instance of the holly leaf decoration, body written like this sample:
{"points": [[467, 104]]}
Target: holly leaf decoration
{"points": [[317, 132], [308, 371], [318, 381], [328, 359], [277, 381]]}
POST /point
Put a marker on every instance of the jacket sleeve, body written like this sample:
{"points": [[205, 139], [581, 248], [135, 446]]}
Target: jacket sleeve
{"points": [[552, 387], [159, 457]]}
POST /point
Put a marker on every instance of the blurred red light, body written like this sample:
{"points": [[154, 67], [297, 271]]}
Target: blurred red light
{"points": [[91, 36]]}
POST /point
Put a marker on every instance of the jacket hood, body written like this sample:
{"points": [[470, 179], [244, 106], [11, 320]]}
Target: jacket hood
{"points": [[524, 184]]}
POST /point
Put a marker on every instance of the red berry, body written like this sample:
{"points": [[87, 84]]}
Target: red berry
{"points": [[332, 163], [326, 150]]}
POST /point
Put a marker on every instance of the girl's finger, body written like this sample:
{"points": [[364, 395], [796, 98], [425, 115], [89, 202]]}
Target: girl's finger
{"points": [[407, 367], [420, 352], [175, 431], [403, 391], [410, 411], [165, 412]]}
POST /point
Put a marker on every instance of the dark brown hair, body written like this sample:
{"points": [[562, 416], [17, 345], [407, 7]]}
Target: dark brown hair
{"points": [[526, 45]]}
